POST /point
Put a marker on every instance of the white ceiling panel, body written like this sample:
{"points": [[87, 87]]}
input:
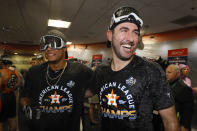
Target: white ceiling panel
{"points": [[25, 21]]}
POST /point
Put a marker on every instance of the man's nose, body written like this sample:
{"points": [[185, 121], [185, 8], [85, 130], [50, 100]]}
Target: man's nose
{"points": [[48, 48], [130, 36]]}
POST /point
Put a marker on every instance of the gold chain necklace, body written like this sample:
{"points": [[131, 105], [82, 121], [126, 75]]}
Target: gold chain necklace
{"points": [[60, 75], [54, 77]]}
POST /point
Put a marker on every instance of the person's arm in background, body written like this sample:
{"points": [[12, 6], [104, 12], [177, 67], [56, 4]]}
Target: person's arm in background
{"points": [[195, 90], [0, 79], [90, 89], [88, 93], [0, 91], [169, 119], [18, 84], [24, 99]]}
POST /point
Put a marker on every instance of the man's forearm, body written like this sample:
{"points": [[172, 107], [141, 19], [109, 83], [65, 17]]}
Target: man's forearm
{"points": [[172, 126], [169, 119]]}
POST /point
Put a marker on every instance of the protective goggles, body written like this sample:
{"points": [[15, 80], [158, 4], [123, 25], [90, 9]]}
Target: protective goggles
{"points": [[124, 14], [51, 41]]}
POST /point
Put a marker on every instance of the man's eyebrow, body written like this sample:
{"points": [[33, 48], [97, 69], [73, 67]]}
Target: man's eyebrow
{"points": [[124, 28], [136, 29]]}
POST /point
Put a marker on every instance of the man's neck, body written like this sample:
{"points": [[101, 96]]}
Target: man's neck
{"points": [[58, 66], [173, 81], [118, 64], [183, 77]]}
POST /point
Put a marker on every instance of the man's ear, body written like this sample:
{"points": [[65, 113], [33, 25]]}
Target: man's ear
{"points": [[140, 43], [109, 35], [65, 49]]}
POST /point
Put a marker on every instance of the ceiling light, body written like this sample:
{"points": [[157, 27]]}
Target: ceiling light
{"points": [[16, 53], [59, 23], [68, 42], [35, 54]]}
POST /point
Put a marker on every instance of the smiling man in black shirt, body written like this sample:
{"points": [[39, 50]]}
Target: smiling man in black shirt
{"points": [[131, 87], [54, 91]]}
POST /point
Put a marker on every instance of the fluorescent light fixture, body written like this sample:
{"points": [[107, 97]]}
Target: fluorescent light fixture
{"points": [[68, 42], [59, 23]]}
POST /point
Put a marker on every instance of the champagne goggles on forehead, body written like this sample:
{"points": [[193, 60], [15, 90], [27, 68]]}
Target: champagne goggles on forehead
{"points": [[51, 41], [126, 14]]}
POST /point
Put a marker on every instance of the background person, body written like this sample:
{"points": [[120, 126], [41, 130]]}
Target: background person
{"points": [[94, 103], [55, 89], [37, 60], [183, 96], [184, 72], [131, 87], [9, 82], [34, 61]]}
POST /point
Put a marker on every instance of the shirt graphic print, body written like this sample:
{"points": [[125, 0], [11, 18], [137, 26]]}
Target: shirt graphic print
{"points": [[117, 101], [54, 99]]}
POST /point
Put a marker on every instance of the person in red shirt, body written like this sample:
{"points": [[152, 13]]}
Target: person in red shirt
{"points": [[9, 82]]}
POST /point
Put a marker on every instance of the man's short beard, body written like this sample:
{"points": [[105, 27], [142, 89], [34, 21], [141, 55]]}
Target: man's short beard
{"points": [[125, 59], [119, 56]]}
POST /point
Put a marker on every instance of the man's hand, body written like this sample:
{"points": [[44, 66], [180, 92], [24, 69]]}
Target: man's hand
{"points": [[25, 101], [88, 93]]}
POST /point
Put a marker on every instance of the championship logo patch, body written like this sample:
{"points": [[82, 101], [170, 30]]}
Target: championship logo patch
{"points": [[168, 94], [71, 84], [131, 81]]}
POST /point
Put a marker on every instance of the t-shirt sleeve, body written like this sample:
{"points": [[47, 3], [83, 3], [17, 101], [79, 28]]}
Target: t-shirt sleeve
{"points": [[86, 77], [160, 89], [93, 85], [97, 78]]}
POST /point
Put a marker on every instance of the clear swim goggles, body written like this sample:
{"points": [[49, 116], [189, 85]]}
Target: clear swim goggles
{"points": [[51, 41], [124, 14]]}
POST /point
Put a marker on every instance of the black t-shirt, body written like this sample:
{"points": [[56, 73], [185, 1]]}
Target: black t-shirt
{"points": [[60, 105], [181, 92], [128, 96]]}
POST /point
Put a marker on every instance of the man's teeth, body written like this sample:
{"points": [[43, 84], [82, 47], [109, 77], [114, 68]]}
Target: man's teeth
{"points": [[50, 54], [127, 46]]}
